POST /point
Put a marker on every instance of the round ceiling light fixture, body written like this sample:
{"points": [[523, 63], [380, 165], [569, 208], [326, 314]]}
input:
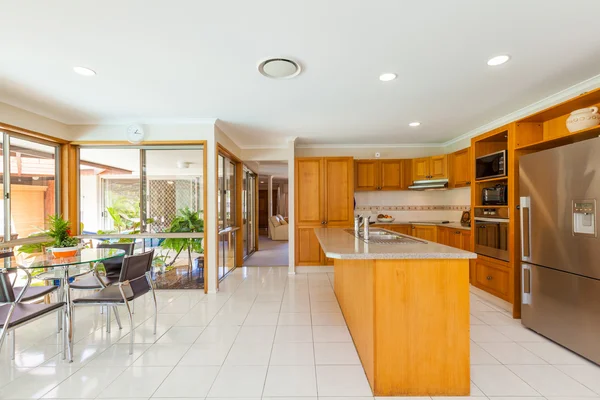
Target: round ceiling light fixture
{"points": [[415, 123], [83, 71], [279, 68], [498, 60], [388, 76]]}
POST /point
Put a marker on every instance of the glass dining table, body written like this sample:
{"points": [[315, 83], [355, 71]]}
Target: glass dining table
{"points": [[62, 269]]}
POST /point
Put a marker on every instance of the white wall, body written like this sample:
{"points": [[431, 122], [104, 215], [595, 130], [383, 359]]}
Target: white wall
{"points": [[27, 120], [153, 132]]}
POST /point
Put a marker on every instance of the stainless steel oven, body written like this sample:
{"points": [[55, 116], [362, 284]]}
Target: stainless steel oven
{"points": [[491, 232]]}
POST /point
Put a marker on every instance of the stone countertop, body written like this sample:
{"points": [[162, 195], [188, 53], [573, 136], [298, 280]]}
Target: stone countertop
{"points": [[337, 243], [453, 225]]}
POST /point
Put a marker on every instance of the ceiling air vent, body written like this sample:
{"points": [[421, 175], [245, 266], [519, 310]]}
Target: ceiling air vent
{"points": [[279, 68]]}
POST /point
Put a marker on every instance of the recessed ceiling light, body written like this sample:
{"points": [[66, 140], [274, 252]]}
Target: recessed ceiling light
{"points": [[388, 76], [83, 71], [262, 181], [498, 60], [416, 123], [279, 68]]}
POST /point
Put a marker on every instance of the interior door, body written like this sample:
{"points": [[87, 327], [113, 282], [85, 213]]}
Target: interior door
{"points": [[339, 191], [391, 174], [309, 191]]}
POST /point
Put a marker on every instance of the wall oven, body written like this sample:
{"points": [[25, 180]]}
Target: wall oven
{"points": [[491, 232], [491, 166]]}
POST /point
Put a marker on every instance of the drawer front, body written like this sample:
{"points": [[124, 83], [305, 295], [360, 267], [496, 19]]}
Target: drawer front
{"points": [[492, 279]]}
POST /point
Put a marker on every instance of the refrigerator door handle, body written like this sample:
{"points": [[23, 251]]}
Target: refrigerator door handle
{"points": [[525, 212], [526, 284]]}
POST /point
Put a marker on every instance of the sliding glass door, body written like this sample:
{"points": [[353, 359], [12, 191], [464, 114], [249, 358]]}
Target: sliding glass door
{"points": [[249, 212], [153, 195], [30, 180], [228, 228]]}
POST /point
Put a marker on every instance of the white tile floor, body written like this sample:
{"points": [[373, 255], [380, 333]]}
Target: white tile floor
{"points": [[266, 335]]}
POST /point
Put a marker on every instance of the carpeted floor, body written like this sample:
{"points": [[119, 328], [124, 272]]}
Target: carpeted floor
{"points": [[271, 253]]}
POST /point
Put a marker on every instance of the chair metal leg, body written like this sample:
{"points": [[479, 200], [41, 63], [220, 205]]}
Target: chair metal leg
{"points": [[149, 278], [13, 345], [108, 319], [132, 330], [133, 306], [4, 330], [117, 316]]}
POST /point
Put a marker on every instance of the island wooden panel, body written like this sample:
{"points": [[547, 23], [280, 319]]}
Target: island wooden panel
{"points": [[409, 321]]}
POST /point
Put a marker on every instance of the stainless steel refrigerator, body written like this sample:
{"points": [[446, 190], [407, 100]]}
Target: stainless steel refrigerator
{"points": [[560, 249]]}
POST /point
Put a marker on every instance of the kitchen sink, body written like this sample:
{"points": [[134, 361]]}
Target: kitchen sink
{"points": [[381, 236]]}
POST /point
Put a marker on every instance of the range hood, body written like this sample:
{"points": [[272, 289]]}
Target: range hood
{"points": [[431, 184]]}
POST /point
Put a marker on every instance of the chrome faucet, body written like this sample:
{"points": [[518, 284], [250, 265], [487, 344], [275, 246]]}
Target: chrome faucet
{"points": [[359, 221]]}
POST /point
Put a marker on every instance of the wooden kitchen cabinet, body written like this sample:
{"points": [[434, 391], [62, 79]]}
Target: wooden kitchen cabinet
{"points": [[425, 232], [435, 167], [420, 167], [493, 276], [465, 240], [366, 175], [443, 236], [403, 229], [370, 175], [324, 198], [438, 167], [460, 168]]}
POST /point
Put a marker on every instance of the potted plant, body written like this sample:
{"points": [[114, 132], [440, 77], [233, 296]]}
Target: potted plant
{"points": [[187, 221], [63, 244]]}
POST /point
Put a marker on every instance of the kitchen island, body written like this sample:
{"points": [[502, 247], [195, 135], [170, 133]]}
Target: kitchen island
{"points": [[407, 308]]}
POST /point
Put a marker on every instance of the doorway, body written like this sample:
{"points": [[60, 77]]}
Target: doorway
{"points": [[273, 216]]}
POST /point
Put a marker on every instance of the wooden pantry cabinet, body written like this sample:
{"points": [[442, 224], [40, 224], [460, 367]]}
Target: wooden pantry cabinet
{"points": [[371, 175], [426, 168], [324, 197]]}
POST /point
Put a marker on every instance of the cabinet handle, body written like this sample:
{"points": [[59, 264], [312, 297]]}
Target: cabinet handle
{"points": [[322, 222], [468, 182], [489, 278]]}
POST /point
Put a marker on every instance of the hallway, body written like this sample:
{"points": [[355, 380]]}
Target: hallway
{"points": [[271, 253]]}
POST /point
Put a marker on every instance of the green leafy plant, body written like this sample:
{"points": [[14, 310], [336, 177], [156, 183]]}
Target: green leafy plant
{"points": [[125, 214], [60, 232], [186, 221]]}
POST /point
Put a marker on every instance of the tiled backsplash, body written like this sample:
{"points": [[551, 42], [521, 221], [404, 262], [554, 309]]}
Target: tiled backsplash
{"points": [[414, 206]]}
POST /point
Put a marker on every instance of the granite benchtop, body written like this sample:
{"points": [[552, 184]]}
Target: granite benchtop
{"points": [[337, 243]]}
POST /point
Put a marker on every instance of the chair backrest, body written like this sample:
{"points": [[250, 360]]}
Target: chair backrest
{"points": [[113, 265], [7, 294], [136, 266]]}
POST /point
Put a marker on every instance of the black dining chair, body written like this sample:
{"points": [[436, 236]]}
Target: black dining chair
{"points": [[32, 292], [134, 282], [95, 281], [14, 313]]}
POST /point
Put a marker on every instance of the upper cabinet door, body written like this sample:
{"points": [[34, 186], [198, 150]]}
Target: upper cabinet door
{"points": [[309, 191], [420, 167], [366, 172], [391, 174], [438, 167], [339, 191], [461, 167]]}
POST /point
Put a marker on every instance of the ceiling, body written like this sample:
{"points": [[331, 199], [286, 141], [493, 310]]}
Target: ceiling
{"points": [[194, 59]]}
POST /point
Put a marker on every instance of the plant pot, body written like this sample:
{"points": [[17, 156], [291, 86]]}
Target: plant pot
{"points": [[63, 252]]}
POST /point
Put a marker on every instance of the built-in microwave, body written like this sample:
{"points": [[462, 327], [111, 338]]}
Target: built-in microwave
{"points": [[491, 165]]}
